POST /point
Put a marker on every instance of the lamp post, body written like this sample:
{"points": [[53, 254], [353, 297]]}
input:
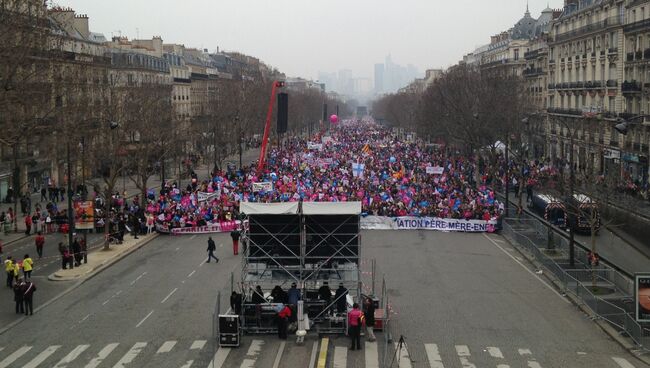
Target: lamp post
{"points": [[239, 140], [569, 195], [69, 188]]}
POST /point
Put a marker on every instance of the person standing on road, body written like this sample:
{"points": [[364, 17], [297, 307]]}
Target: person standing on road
{"points": [[283, 321], [9, 269], [19, 291], [235, 235], [28, 266], [39, 241], [355, 321], [370, 318], [28, 293], [341, 299], [84, 250], [211, 248]]}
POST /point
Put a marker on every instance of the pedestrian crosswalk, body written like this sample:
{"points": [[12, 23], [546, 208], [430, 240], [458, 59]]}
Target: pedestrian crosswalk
{"points": [[265, 351]]}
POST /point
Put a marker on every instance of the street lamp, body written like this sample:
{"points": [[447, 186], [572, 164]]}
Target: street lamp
{"points": [[623, 125], [239, 140]]}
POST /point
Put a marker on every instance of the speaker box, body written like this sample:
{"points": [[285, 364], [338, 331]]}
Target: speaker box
{"points": [[283, 112]]}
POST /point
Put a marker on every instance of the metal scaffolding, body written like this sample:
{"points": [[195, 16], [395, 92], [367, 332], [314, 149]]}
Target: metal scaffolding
{"points": [[309, 244]]}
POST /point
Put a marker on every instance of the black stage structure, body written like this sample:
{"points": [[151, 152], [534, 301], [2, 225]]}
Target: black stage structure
{"points": [[306, 243]]}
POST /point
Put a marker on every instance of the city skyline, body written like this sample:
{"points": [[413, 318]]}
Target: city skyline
{"points": [[414, 32]]}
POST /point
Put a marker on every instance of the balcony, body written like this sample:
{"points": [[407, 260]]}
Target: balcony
{"points": [[646, 53], [589, 84], [563, 111], [573, 85], [580, 85], [630, 56], [531, 72], [641, 25], [565, 85], [612, 50], [611, 83], [552, 61], [598, 84], [626, 115], [594, 27], [531, 55], [631, 87], [551, 86]]}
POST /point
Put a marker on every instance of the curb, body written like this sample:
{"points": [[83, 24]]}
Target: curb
{"points": [[625, 343], [87, 276], [100, 267]]}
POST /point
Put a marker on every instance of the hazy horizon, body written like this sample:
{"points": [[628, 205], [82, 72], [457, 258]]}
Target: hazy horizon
{"points": [[304, 38]]}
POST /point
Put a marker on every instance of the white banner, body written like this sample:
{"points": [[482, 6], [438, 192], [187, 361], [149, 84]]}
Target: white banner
{"points": [[314, 146], [437, 170], [426, 223], [204, 196], [266, 186], [357, 169], [217, 227]]}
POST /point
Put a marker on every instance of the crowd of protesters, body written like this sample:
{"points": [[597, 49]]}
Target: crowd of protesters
{"points": [[356, 162]]}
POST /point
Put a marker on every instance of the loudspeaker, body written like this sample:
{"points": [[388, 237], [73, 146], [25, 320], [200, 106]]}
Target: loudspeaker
{"points": [[283, 112]]}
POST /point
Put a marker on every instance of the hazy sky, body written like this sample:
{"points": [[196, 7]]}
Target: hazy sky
{"points": [[303, 37]]}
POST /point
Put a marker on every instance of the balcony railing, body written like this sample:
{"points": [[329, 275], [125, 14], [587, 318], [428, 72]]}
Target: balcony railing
{"points": [[530, 72], [531, 54], [551, 86], [612, 83], [632, 86], [637, 26], [596, 26]]}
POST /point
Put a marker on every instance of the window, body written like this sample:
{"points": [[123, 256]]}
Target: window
{"points": [[516, 54]]}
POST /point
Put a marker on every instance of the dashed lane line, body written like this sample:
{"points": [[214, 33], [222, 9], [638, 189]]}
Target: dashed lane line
{"points": [[144, 319], [168, 295]]}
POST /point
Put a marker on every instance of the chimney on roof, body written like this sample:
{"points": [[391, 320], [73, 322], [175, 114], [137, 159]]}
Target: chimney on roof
{"points": [[81, 25]]}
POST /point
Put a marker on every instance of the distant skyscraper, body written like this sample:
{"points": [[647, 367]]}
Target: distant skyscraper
{"points": [[379, 78]]}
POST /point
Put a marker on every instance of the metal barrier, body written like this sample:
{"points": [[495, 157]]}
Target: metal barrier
{"points": [[577, 281]]}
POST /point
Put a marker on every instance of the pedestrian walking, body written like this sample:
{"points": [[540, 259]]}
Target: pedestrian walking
{"points": [[28, 297], [19, 292], [235, 235], [35, 220], [76, 252], [39, 241], [28, 266], [211, 248], [355, 321], [43, 194]]}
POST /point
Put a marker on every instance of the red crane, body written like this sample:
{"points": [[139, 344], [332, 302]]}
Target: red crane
{"points": [[267, 128]]}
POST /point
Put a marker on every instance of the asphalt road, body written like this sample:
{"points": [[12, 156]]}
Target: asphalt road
{"points": [[461, 301]]}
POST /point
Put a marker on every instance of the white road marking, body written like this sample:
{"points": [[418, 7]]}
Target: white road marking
{"points": [[177, 249], [14, 356], [278, 356], [202, 263], [340, 357], [74, 354], [372, 355], [435, 361], [40, 358], [188, 364], [166, 347], [495, 352], [144, 319], [219, 358], [106, 301], [404, 359], [527, 270], [198, 344], [463, 355], [168, 295], [503, 366], [138, 278], [85, 318], [523, 352], [314, 351], [622, 362], [255, 348], [533, 364], [102, 355], [131, 354], [191, 273], [192, 237]]}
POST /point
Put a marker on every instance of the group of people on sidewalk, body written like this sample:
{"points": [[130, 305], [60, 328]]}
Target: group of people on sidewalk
{"points": [[22, 286]]}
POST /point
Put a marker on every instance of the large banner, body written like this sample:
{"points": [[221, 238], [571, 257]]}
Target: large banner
{"points": [[216, 227], [265, 186], [642, 291], [314, 146], [84, 215], [426, 223], [436, 170], [204, 196]]}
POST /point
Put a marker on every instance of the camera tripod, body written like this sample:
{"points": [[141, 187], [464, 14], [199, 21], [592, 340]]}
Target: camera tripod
{"points": [[401, 344]]}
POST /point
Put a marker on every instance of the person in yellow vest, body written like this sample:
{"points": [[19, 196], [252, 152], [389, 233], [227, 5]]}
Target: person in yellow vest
{"points": [[9, 269], [28, 266], [16, 271]]}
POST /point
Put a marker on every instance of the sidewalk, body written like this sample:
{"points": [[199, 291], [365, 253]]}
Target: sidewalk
{"points": [[100, 259]]}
